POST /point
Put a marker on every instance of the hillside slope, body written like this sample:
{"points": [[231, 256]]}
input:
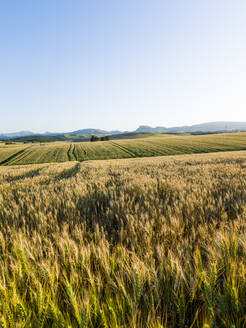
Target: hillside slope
{"points": [[151, 145]]}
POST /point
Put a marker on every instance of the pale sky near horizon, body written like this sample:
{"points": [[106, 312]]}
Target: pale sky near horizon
{"points": [[112, 64]]}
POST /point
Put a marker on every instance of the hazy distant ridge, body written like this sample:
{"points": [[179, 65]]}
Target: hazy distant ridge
{"points": [[16, 134], [204, 127]]}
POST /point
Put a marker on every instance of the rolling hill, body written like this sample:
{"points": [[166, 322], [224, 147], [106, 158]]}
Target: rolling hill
{"points": [[147, 145]]}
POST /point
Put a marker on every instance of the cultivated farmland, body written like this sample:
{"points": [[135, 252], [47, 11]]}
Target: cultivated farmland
{"points": [[153, 242], [153, 145]]}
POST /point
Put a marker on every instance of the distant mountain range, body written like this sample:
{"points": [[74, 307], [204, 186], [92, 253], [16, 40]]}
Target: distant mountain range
{"points": [[85, 133], [22, 134], [15, 135], [94, 131], [204, 127]]}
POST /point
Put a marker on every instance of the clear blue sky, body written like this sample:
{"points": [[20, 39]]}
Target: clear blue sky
{"points": [[116, 64]]}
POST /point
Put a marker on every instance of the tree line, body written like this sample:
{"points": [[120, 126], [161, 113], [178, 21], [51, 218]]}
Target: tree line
{"points": [[96, 138]]}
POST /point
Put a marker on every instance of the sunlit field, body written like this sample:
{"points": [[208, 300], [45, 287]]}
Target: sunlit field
{"points": [[154, 145], [153, 242]]}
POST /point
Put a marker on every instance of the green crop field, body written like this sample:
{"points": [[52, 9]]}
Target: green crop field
{"points": [[153, 145], [140, 243]]}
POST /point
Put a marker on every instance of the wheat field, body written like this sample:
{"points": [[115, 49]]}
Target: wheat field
{"points": [[155, 242], [149, 146]]}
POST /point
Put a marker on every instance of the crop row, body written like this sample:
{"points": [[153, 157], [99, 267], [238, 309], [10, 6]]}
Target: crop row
{"points": [[159, 145]]}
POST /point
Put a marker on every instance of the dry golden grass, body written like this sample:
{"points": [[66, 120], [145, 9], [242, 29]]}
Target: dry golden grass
{"points": [[151, 243]]}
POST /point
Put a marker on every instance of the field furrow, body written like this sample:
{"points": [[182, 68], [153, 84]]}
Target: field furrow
{"points": [[12, 157], [132, 154]]}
